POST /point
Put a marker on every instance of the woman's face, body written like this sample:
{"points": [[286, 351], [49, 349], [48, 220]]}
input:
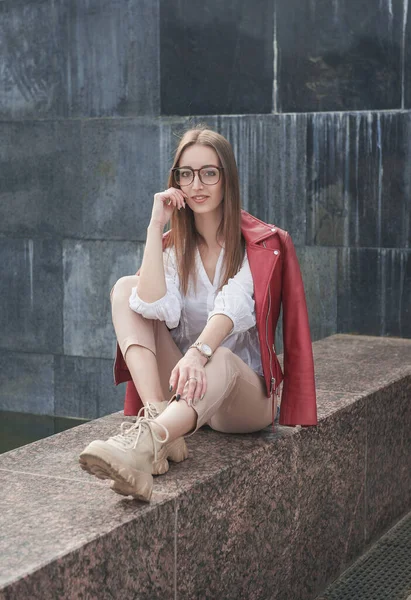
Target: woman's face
{"points": [[202, 197]]}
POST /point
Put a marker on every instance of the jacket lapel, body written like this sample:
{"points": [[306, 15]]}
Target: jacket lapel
{"points": [[262, 260]]}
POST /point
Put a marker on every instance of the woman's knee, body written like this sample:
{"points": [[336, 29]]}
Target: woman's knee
{"points": [[225, 358], [223, 353], [123, 286]]}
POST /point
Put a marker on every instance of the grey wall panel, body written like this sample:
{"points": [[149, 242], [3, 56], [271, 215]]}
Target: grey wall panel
{"points": [[83, 179], [406, 56], [270, 153], [85, 387], [319, 272], [332, 57], [216, 57], [27, 382], [90, 271], [374, 291], [32, 60], [112, 57], [120, 174], [62, 58], [31, 305], [28, 178], [359, 179]]}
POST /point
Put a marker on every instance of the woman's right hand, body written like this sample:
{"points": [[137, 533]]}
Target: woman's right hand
{"points": [[164, 204]]}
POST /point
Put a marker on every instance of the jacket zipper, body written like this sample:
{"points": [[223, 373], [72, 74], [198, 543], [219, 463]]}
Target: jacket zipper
{"points": [[272, 381]]}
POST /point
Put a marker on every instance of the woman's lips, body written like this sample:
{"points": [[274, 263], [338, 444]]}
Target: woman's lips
{"points": [[200, 199]]}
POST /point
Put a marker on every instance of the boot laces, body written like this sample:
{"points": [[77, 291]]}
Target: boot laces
{"points": [[130, 434], [150, 410]]}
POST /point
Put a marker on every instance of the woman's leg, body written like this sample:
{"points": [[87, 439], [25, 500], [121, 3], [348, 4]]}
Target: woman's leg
{"points": [[141, 346], [136, 338], [235, 400], [150, 354]]}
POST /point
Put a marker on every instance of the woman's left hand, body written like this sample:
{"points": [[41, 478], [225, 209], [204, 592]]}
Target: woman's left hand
{"points": [[188, 378]]}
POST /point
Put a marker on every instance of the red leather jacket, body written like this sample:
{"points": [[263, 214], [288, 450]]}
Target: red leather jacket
{"points": [[277, 279]]}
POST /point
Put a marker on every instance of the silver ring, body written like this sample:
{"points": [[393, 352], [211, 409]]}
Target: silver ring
{"points": [[186, 383]]}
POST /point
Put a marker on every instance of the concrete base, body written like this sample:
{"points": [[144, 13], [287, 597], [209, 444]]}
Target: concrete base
{"points": [[265, 515]]}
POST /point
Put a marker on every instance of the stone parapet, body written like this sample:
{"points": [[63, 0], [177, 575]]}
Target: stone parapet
{"points": [[274, 515]]}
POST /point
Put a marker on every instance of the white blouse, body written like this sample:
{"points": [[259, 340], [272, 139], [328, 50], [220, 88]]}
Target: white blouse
{"points": [[186, 316]]}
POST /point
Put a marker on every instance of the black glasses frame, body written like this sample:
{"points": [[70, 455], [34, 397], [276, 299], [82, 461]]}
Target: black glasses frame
{"points": [[194, 171]]}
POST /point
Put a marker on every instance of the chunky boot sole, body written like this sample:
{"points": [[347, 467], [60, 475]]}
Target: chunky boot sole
{"points": [[176, 451], [126, 480]]}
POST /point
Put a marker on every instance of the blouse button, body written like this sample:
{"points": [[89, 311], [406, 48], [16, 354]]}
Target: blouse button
{"points": [[273, 229], [276, 252]]}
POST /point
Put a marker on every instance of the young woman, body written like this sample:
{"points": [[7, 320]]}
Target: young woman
{"points": [[195, 327]]}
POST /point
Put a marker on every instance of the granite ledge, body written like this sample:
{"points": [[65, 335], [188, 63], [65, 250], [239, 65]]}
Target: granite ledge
{"points": [[64, 538]]}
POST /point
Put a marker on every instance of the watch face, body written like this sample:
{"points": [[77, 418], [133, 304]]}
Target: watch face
{"points": [[206, 349]]}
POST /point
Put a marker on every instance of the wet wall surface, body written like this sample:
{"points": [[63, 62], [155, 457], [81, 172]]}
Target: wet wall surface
{"points": [[262, 57], [315, 98]]}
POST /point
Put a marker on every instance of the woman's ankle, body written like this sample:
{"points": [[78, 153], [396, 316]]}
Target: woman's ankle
{"points": [[159, 431]]}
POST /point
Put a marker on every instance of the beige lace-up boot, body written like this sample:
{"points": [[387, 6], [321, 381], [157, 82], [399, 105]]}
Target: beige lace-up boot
{"points": [[177, 448], [132, 457]]}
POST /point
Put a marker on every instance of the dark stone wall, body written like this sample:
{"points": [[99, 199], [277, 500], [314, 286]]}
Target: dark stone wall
{"points": [[315, 98], [78, 58]]}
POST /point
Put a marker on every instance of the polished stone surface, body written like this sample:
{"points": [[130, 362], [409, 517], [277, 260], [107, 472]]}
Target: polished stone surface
{"points": [[61, 59], [374, 291], [388, 456], [105, 544], [216, 57], [330, 402], [290, 508], [32, 295], [334, 56], [233, 545], [363, 347], [91, 268], [359, 179], [330, 490]]}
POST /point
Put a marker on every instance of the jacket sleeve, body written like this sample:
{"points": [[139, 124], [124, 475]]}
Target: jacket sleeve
{"points": [[236, 300], [298, 402], [167, 308]]}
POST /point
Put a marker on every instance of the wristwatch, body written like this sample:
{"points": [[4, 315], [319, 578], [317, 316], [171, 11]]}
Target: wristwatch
{"points": [[204, 349]]}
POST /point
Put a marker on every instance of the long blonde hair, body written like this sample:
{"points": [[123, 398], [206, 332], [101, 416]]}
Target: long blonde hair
{"points": [[183, 234]]}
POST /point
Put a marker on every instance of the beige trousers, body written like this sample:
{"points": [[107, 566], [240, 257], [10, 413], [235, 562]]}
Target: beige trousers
{"points": [[235, 400]]}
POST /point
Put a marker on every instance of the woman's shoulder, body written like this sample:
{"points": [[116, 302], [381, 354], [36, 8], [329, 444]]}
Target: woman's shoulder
{"points": [[252, 226]]}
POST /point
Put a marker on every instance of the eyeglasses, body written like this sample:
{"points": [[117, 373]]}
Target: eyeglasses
{"points": [[209, 175]]}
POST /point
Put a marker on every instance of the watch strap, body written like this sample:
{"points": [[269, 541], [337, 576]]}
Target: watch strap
{"points": [[198, 345]]}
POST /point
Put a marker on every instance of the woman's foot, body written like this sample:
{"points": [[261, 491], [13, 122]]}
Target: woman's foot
{"points": [[133, 456]]}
